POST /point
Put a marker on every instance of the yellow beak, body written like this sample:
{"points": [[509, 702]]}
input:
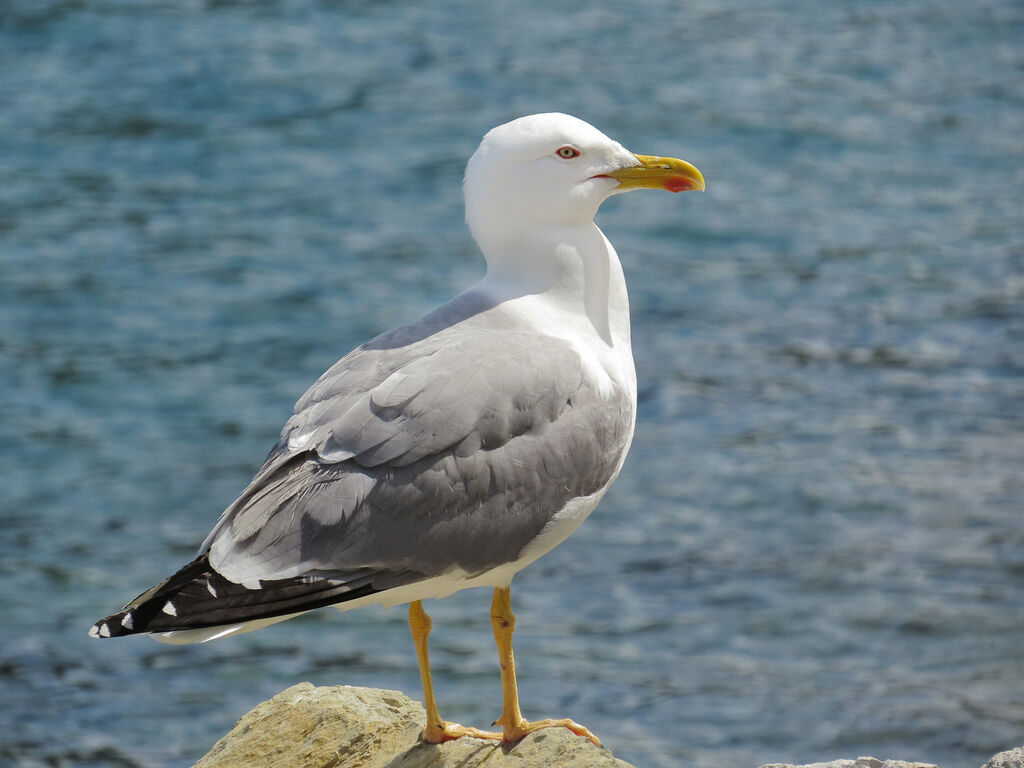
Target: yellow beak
{"points": [[659, 173]]}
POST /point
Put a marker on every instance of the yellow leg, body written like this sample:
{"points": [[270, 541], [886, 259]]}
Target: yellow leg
{"points": [[513, 724], [436, 730]]}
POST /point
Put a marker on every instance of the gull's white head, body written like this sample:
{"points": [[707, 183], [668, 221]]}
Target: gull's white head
{"points": [[555, 170]]}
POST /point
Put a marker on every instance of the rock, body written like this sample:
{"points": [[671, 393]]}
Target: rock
{"points": [[346, 727], [1011, 758], [860, 762]]}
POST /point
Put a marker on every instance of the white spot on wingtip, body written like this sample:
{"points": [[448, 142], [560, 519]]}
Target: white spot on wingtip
{"points": [[169, 609], [104, 630], [94, 631], [126, 621]]}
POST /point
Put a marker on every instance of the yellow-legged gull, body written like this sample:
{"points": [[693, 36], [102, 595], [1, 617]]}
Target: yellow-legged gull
{"points": [[453, 451]]}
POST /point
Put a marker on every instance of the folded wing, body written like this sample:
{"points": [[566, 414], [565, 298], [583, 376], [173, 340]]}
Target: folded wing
{"points": [[447, 454]]}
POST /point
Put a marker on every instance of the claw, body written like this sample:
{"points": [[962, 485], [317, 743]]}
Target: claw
{"points": [[525, 728], [439, 733]]}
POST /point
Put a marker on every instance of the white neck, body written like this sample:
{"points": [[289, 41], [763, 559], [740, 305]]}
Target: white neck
{"points": [[574, 268]]}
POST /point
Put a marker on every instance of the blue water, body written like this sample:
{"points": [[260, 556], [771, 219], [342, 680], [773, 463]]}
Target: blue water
{"points": [[816, 547]]}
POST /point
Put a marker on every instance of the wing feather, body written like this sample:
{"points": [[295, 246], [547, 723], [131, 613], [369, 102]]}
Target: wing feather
{"points": [[415, 455], [451, 456]]}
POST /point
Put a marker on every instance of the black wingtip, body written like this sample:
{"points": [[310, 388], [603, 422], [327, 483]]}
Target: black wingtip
{"points": [[117, 625], [136, 617], [197, 597]]}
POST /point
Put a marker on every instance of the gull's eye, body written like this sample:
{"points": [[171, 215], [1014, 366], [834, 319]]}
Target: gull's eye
{"points": [[567, 153]]}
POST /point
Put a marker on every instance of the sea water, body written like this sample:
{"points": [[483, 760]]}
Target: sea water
{"points": [[816, 547]]}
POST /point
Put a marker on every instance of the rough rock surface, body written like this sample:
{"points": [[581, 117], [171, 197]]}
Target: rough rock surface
{"points": [[1011, 758], [345, 727], [860, 762]]}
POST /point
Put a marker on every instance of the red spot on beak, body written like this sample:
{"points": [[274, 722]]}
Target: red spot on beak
{"points": [[679, 184]]}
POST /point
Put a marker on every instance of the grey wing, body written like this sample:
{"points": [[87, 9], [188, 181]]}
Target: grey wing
{"points": [[452, 453]]}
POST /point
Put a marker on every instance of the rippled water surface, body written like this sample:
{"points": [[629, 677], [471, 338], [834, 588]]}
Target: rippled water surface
{"points": [[816, 548]]}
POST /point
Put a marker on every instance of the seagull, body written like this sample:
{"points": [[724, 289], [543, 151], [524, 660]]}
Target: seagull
{"points": [[454, 451]]}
